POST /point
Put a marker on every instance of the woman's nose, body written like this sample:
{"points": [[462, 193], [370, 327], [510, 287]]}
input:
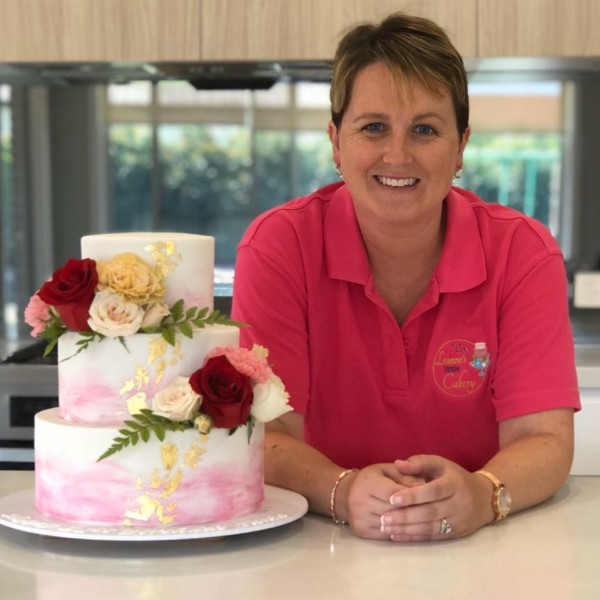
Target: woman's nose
{"points": [[397, 150]]}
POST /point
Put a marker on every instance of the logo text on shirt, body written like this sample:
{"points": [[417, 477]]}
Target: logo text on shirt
{"points": [[460, 366]]}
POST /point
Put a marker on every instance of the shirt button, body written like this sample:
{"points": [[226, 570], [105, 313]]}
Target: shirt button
{"points": [[406, 344]]}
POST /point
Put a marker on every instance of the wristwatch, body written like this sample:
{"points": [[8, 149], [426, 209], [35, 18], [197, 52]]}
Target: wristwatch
{"points": [[501, 500]]}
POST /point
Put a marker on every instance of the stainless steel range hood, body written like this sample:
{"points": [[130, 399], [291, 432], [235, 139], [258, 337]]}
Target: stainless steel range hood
{"points": [[202, 75], [256, 75]]}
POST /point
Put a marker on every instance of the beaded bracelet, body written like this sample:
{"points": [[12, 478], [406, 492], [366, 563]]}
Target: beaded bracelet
{"points": [[333, 493]]}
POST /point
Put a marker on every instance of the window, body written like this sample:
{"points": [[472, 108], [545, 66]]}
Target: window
{"points": [[514, 153], [8, 272], [210, 161]]}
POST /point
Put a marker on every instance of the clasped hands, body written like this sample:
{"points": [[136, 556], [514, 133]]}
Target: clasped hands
{"points": [[405, 501]]}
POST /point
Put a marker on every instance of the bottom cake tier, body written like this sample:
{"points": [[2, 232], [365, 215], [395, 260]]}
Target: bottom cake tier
{"points": [[188, 478]]}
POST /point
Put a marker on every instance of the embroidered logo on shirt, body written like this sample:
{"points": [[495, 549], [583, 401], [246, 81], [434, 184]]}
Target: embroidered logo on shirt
{"points": [[460, 366]]}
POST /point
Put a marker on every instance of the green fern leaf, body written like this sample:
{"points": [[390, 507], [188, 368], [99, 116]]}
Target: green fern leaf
{"points": [[177, 311], [168, 334], [186, 329], [159, 430]]}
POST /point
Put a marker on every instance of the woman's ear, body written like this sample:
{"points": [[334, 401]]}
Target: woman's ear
{"points": [[461, 149], [463, 142], [334, 137]]}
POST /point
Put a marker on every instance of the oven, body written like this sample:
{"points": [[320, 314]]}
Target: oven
{"points": [[28, 384]]}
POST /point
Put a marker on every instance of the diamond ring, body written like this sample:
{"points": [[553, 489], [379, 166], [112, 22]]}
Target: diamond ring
{"points": [[445, 527]]}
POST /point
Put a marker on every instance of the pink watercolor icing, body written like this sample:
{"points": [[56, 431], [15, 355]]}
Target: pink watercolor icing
{"points": [[85, 398], [104, 492]]}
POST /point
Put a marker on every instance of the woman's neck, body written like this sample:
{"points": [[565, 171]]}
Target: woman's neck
{"points": [[390, 244], [402, 263]]}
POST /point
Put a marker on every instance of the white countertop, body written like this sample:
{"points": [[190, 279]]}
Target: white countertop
{"points": [[550, 552]]}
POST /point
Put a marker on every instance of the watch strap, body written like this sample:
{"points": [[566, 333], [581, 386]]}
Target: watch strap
{"points": [[498, 488]]}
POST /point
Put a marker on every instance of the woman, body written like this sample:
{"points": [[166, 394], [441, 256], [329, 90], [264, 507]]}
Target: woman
{"points": [[423, 334]]}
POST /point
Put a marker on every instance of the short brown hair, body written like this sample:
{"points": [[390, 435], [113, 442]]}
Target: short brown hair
{"points": [[412, 48]]}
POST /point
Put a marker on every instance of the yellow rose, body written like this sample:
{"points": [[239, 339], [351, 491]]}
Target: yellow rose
{"points": [[132, 277]]}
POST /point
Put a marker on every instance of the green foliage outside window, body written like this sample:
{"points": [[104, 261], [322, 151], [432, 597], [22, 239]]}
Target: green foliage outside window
{"points": [[215, 179]]}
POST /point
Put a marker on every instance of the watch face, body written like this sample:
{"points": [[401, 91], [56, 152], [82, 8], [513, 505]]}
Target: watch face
{"points": [[504, 501]]}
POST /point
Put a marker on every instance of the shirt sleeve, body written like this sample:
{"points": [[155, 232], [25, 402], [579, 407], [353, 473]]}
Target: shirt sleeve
{"points": [[270, 297], [535, 367]]}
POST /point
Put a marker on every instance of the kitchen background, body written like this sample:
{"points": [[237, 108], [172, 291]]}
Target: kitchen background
{"points": [[197, 115]]}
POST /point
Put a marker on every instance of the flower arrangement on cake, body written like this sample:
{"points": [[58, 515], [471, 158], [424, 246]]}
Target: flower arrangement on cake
{"points": [[115, 299], [125, 296], [234, 387]]}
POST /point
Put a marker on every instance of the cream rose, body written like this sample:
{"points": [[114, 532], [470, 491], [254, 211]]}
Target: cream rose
{"points": [[270, 400], [154, 314], [113, 316], [132, 277], [177, 402]]}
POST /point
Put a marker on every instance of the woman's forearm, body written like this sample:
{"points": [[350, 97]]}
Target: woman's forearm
{"points": [[294, 465], [536, 456]]}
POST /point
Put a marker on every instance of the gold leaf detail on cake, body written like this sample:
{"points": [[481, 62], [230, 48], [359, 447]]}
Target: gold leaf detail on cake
{"points": [[176, 354], [155, 479], [127, 387], [177, 351], [146, 510], [169, 455], [193, 455], [166, 520], [165, 256], [141, 376], [140, 379], [148, 507], [172, 485], [136, 403], [161, 367], [158, 348]]}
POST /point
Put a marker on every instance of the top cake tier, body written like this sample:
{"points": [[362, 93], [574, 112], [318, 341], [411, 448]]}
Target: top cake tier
{"points": [[187, 258]]}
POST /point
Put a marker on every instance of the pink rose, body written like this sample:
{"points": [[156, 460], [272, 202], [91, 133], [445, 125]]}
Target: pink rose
{"points": [[37, 313], [245, 361]]}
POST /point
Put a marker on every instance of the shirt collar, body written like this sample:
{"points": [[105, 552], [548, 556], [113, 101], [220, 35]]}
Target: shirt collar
{"points": [[345, 253], [461, 265]]}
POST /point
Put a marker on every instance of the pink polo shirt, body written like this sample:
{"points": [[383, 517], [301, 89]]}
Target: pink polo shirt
{"points": [[489, 340]]}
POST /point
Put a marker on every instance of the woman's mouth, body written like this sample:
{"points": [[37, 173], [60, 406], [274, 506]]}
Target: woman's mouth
{"points": [[393, 182]]}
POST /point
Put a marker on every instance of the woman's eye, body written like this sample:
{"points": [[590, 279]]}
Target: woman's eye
{"points": [[374, 127], [424, 130]]}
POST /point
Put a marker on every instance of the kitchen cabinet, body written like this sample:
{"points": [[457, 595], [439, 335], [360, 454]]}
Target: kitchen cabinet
{"points": [[99, 30], [278, 30], [538, 28], [310, 29], [210, 30]]}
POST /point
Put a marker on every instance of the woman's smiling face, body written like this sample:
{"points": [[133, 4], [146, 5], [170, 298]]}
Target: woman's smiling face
{"points": [[398, 153]]}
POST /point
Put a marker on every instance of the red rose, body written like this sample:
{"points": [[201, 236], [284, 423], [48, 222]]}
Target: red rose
{"points": [[226, 393], [71, 291]]}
